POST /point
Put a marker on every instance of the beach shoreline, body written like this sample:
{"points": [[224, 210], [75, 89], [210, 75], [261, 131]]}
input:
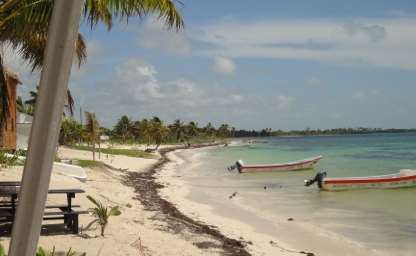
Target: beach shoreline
{"points": [[147, 187], [235, 219]]}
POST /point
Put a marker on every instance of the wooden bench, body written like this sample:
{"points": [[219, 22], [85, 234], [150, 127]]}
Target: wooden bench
{"points": [[65, 212]]}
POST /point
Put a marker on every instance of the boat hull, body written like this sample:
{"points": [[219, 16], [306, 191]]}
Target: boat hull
{"points": [[403, 179], [294, 166]]}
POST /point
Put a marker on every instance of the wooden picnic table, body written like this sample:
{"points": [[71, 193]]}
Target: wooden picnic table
{"points": [[10, 189]]}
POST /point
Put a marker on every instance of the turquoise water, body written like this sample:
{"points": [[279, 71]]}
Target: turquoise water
{"points": [[384, 220]]}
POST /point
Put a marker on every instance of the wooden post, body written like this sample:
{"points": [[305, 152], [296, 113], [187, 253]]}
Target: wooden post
{"points": [[59, 53]]}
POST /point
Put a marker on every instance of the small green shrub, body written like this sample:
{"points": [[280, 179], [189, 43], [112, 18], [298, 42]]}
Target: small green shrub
{"points": [[6, 160], [43, 252], [102, 214]]}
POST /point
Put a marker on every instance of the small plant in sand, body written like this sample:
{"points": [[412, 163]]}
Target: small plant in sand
{"points": [[102, 214], [43, 252]]}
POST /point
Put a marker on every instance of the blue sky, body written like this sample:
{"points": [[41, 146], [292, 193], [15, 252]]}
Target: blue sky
{"points": [[256, 64]]}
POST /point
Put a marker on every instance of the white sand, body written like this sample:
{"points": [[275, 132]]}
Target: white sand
{"points": [[131, 233]]}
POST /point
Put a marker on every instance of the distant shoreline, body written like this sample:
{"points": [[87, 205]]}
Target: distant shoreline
{"points": [[293, 135]]}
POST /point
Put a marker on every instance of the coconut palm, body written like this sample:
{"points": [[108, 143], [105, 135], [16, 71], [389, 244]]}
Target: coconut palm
{"points": [[144, 129], [178, 130], [124, 128], [24, 26], [223, 131], [158, 132], [24, 108], [92, 129], [102, 213], [69, 101]]}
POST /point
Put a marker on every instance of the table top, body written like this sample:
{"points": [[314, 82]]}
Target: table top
{"points": [[9, 183], [12, 187]]}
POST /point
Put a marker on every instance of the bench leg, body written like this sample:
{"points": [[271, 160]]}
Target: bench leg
{"points": [[74, 227]]}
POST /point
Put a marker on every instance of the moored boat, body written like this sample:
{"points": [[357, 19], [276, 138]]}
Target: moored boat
{"points": [[290, 166], [402, 179]]}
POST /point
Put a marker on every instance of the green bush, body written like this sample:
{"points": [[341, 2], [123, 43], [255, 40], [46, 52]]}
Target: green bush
{"points": [[7, 160]]}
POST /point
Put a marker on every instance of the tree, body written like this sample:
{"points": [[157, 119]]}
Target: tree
{"points": [[92, 129], [178, 130], [24, 26], [209, 130], [69, 101], [124, 128], [223, 131], [158, 132], [24, 108], [71, 132], [144, 129]]}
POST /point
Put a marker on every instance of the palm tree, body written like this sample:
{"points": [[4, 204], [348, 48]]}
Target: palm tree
{"points": [[92, 129], [178, 130], [224, 131], [144, 129], [69, 101], [158, 132], [24, 26], [24, 108], [124, 128]]}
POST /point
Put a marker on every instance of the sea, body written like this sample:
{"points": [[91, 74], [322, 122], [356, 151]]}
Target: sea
{"points": [[380, 220]]}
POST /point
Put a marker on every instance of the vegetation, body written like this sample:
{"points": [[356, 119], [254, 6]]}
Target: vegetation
{"points": [[87, 163], [92, 131], [311, 132], [43, 252], [71, 132], [7, 159], [24, 26], [117, 151], [102, 214], [31, 102]]}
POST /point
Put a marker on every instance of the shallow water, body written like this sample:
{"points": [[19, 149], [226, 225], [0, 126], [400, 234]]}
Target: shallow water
{"points": [[384, 220]]}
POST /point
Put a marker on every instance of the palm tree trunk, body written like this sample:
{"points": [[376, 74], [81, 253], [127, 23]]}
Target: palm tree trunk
{"points": [[4, 95], [93, 150], [99, 149]]}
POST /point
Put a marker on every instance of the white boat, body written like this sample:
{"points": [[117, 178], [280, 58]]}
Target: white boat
{"points": [[402, 179], [290, 166]]}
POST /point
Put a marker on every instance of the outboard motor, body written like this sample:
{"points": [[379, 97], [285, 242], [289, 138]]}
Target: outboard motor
{"points": [[237, 166], [318, 178]]}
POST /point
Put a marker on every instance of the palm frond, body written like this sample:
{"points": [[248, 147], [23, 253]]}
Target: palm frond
{"points": [[96, 11], [91, 125], [70, 102]]}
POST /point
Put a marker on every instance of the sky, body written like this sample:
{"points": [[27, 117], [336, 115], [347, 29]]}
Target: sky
{"points": [[254, 64]]}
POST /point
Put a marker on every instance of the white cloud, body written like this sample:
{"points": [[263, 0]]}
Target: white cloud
{"points": [[387, 42], [224, 66], [135, 88], [155, 36], [314, 81], [366, 94], [283, 102], [374, 32]]}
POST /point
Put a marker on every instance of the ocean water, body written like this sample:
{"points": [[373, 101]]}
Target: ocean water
{"points": [[383, 220]]}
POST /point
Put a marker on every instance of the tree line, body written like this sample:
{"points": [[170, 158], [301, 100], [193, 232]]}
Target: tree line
{"points": [[151, 131]]}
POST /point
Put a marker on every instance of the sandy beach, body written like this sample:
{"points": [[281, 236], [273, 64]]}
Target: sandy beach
{"points": [[137, 231], [160, 217]]}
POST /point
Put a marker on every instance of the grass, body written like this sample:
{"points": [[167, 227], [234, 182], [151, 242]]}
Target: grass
{"points": [[87, 163], [118, 151]]}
